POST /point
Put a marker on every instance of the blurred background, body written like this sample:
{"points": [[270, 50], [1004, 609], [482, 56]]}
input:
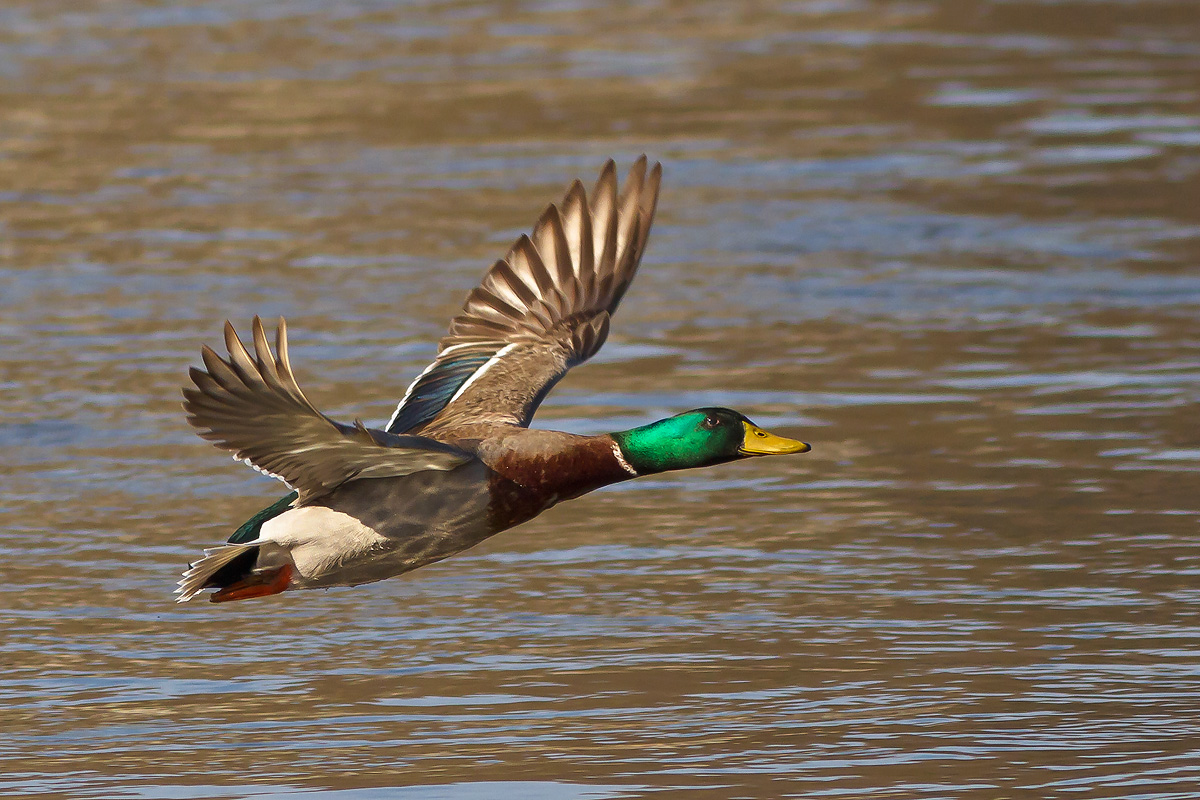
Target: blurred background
{"points": [[954, 244]]}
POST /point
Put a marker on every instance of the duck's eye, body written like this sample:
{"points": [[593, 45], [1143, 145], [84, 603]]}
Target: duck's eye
{"points": [[709, 423]]}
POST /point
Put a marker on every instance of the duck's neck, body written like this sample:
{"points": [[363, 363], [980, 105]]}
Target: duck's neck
{"points": [[558, 466], [635, 453], [595, 462]]}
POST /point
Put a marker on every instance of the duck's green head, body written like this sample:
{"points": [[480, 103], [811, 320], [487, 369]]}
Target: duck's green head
{"points": [[699, 438]]}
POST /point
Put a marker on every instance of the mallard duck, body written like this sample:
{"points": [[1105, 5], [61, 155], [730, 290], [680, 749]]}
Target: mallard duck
{"points": [[457, 462]]}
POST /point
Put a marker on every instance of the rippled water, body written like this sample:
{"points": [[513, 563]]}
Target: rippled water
{"points": [[953, 244]]}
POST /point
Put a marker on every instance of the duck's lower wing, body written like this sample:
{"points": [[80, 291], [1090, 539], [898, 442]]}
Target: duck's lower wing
{"points": [[253, 407]]}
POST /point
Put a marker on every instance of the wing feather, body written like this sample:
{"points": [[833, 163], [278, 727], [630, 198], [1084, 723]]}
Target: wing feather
{"points": [[551, 241], [604, 218]]}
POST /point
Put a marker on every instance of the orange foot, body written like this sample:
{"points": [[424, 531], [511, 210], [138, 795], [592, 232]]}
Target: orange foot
{"points": [[261, 585]]}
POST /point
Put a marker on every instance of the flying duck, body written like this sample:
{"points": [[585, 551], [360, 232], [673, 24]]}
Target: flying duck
{"points": [[457, 462]]}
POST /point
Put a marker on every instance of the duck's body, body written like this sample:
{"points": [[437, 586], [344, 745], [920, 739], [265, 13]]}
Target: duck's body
{"points": [[457, 462], [368, 530]]}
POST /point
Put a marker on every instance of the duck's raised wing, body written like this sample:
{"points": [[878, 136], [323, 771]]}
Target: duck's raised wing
{"points": [[538, 312], [253, 407]]}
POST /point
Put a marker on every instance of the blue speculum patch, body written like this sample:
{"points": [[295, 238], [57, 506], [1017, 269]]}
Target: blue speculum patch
{"points": [[434, 389]]}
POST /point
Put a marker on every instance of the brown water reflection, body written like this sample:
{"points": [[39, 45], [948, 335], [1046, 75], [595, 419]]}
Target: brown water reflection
{"points": [[953, 243]]}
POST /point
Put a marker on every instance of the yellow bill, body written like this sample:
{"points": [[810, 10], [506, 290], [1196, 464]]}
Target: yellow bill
{"points": [[762, 443]]}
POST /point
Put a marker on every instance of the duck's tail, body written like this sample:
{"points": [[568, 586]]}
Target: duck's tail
{"points": [[220, 567]]}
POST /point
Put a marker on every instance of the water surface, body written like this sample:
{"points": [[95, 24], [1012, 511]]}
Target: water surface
{"points": [[953, 244]]}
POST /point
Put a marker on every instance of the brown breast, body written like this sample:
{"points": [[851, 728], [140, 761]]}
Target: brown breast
{"points": [[534, 469]]}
